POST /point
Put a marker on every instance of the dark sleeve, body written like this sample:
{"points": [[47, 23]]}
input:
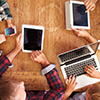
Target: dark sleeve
{"points": [[4, 63], [56, 91]]}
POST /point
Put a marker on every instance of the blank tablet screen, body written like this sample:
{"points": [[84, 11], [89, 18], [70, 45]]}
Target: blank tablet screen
{"points": [[80, 18], [32, 39]]}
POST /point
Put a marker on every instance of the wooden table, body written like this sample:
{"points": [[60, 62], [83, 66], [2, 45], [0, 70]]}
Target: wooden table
{"points": [[51, 15]]}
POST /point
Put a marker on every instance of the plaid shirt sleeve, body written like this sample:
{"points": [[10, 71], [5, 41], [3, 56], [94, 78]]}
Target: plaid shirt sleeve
{"points": [[56, 91], [56, 86], [4, 64]]}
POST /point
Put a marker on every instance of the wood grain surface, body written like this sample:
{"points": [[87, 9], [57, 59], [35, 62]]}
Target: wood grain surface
{"points": [[51, 15]]}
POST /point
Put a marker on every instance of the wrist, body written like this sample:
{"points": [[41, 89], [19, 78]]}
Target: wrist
{"points": [[66, 95], [45, 64]]}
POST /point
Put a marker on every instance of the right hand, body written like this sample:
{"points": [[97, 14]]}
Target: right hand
{"points": [[2, 38], [70, 85], [39, 57], [19, 43], [91, 71], [90, 4], [80, 32]]}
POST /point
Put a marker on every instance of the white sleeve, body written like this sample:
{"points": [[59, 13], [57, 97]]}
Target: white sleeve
{"points": [[99, 45], [48, 69]]}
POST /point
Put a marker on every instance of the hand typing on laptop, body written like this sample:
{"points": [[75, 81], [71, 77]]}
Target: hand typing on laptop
{"points": [[92, 72], [70, 86]]}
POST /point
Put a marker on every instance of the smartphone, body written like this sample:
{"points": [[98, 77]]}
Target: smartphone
{"points": [[10, 31]]}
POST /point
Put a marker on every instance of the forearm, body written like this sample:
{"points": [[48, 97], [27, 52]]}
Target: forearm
{"points": [[90, 39], [12, 54]]}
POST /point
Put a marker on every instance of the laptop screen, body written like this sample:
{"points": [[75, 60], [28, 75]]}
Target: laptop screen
{"points": [[80, 18], [78, 52]]}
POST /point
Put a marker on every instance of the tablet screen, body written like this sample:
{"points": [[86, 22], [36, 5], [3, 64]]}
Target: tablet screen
{"points": [[32, 39], [80, 18]]}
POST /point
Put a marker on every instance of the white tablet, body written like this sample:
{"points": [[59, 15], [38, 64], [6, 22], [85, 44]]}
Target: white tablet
{"points": [[76, 16], [33, 37]]}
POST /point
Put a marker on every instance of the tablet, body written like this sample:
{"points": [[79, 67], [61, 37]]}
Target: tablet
{"points": [[76, 16], [33, 37]]}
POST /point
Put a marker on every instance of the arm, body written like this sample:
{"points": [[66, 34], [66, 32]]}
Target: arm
{"points": [[56, 91], [92, 72], [70, 86], [84, 34], [4, 64], [18, 47], [90, 4], [5, 61]]}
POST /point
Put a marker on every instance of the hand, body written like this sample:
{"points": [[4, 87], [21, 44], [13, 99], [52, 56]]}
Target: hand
{"points": [[19, 42], [81, 32], [2, 38], [70, 86], [39, 57], [92, 72], [10, 24], [90, 4]]}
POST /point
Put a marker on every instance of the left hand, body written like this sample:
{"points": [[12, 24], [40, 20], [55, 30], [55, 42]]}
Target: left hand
{"points": [[70, 85], [90, 4], [39, 57]]}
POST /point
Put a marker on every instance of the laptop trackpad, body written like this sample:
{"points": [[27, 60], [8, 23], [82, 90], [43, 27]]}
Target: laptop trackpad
{"points": [[84, 80]]}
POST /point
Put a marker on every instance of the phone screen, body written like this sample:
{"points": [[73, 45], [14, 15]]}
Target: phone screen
{"points": [[9, 31]]}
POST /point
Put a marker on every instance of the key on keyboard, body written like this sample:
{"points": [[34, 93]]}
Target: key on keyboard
{"points": [[78, 69]]}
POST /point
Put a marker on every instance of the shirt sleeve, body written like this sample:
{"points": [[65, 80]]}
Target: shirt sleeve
{"points": [[4, 64], [5, 7], [48, 69], [99, 45], [56, 91]]}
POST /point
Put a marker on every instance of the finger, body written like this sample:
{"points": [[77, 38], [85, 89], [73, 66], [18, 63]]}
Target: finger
{"points": [[40, 52], [87, 71], [75, 80], [76, 31], [32, 55], [92, 67], [88, 3], [37, 52], [66, 80], [69, 80], [73, 77], [89, 8], [85, 2], [88, 66], [92, 8]]}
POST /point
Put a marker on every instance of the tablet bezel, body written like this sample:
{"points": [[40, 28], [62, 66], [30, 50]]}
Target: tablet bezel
{"points": [[32, 27], [71, 14]]}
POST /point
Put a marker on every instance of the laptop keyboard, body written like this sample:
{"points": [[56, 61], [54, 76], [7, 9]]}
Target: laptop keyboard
{"points": [[78, 69], [74, 54]]}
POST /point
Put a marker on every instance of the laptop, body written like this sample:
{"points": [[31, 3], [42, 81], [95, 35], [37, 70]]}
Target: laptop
{"points": [[75, 14], [74, 61]]}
